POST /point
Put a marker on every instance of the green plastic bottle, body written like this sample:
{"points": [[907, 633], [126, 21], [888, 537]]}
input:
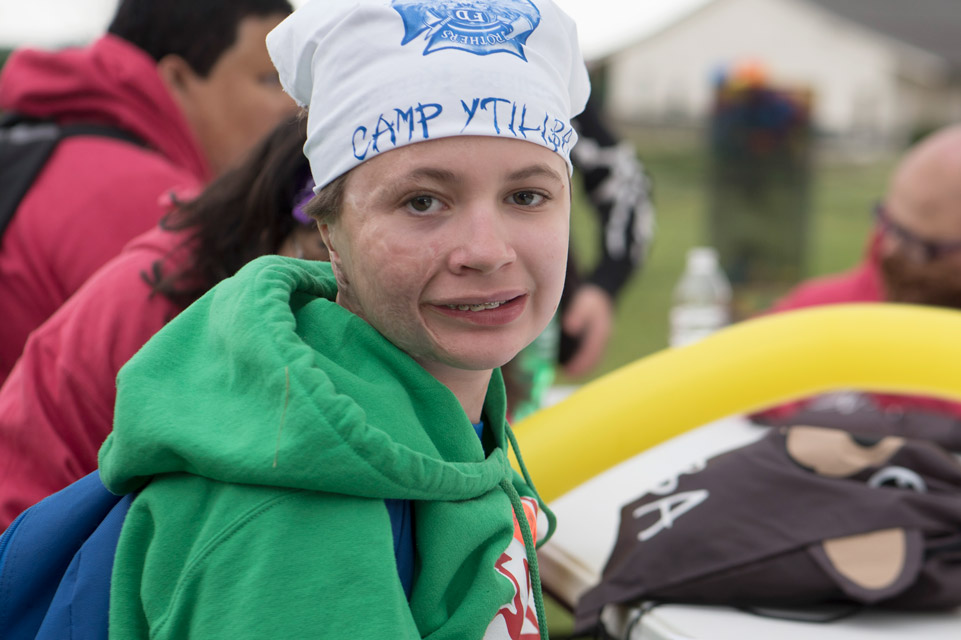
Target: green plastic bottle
{"points": [[536, 370]]}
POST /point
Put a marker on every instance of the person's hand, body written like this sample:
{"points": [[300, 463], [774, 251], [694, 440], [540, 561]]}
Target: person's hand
{"points": [[589, 317]]}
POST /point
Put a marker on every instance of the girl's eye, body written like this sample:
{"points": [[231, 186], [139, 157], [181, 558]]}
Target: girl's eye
{"points": [[423, 204], [527, 198]]}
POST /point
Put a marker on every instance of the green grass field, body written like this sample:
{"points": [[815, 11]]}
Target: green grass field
{"points": [[841, 200], [842, 196]]}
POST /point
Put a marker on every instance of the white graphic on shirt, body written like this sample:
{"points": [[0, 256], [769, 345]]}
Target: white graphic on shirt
{"points": [[517, 619]]}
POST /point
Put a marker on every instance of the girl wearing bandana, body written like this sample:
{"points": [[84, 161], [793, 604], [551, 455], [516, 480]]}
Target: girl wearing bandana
{"points": [[321, 450]]}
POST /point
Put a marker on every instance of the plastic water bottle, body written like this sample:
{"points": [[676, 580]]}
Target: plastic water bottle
{"points": [[702, 298]]}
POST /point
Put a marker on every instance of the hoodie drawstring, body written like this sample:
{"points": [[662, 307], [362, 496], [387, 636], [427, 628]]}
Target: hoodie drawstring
{"points": [[530, 547], [551, 518], [531, 553]]}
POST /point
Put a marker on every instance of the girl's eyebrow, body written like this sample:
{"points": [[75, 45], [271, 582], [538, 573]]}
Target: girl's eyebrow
{"points": [[537, 170], [433, 173], [445, 175]]}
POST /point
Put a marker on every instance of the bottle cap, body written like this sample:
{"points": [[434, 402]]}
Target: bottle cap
{"points": [[702, 259]]}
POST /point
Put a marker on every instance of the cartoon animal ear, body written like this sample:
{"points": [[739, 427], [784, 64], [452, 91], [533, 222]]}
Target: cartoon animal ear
{"points": [[835, 453], [872, 566]]}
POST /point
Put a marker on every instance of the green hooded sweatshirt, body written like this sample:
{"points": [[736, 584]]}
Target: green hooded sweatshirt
{"points": [[264, 428]]}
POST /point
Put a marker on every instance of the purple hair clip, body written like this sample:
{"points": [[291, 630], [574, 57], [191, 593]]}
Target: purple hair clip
{"points": [[300, 201]]}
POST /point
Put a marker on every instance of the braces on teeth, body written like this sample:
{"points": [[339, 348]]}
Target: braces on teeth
{"points": [[475, 307]]}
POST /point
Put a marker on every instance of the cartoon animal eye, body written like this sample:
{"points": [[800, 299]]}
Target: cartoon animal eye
{"points": [[898, 478]]}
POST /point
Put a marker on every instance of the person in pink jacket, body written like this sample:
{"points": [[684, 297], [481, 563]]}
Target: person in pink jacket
{"points": [[190, 79], [913, 256], [56, 407]]}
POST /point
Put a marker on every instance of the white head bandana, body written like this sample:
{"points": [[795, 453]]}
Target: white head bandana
{"points": [[380, 74]]}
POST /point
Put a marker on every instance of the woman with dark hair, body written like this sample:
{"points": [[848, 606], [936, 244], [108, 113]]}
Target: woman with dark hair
{"points": [[56, 407], [254, 210]]}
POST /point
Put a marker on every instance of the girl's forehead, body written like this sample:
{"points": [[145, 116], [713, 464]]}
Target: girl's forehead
{"points": [[378, 77], [458, 159]]}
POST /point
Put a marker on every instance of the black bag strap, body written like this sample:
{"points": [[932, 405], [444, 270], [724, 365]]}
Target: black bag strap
{"points": [[25, 146]]}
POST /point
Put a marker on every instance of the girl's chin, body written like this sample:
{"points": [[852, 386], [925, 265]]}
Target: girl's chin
{"points": [[468, 360]]}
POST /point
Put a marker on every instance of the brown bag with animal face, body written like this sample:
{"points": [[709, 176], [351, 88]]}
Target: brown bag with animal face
{"points": [[805, 516]]}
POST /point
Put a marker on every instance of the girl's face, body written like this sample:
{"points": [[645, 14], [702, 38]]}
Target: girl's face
{"points": [[454, 249]]}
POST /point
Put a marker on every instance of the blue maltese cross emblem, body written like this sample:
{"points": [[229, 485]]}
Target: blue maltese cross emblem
{"points": [[481, 27]]}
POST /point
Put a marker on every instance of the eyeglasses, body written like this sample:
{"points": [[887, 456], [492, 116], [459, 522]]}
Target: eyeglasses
{"points": [[927, 250]]}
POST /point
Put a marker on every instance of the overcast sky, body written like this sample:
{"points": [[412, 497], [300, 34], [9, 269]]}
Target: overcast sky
{"points": [[602, 24]]}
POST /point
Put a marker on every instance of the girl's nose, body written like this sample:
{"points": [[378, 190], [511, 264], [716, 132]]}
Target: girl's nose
{"points": [[483, 241]]}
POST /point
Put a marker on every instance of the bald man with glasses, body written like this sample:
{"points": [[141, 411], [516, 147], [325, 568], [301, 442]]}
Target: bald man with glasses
{"points": [[913, 256]]}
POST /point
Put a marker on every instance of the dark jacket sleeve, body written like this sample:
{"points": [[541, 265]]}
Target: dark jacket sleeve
{"points": [[620, 191]]}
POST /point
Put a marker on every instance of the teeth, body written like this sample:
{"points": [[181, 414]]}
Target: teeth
{"points": [[476, 307]]}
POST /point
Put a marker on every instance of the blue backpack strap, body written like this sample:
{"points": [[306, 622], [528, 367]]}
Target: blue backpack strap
{"points": [[43, 543]]}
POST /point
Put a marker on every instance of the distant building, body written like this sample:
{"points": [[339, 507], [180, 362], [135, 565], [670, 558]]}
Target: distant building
{"points": [[881, 71]]}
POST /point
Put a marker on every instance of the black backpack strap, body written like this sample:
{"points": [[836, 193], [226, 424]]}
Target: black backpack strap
{"points": [[103, 131], [25, 146]]}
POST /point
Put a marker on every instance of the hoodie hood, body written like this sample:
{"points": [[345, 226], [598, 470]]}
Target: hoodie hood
{"points": [[283, 398], [111, 82], [267, 381]]}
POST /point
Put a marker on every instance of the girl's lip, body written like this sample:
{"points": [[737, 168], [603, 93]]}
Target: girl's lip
{"points": [[504, 313]]}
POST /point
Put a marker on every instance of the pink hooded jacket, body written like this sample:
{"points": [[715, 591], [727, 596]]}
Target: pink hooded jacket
{"points": [[94, 194], [56, 406]]}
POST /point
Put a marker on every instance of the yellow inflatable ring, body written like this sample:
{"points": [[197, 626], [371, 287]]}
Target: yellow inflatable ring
{"points": [[741, 369]]}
